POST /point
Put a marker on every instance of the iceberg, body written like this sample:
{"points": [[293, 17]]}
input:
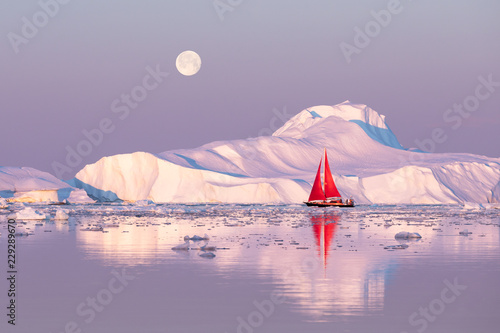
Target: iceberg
{"points": [[30, 185], [368, 164]]}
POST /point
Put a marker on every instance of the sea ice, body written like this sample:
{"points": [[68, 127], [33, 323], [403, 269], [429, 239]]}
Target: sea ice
{"points": [[27, 213], [396, 247], [209, 255], [181, 247], [208, 248], [466, 232], [407, 235], [197, 238], [93, 228], [144, 202], [61, 215]]}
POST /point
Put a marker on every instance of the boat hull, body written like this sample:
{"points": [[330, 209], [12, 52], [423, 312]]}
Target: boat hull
{"points": [[327, 204]]}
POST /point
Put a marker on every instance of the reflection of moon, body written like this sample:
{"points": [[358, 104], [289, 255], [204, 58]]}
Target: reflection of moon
{"points": [[188, 63]]}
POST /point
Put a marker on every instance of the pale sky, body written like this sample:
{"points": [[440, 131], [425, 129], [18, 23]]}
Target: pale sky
{"points": [[71, 72]]}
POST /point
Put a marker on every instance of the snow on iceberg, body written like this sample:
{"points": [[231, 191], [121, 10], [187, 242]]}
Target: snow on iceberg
{"points": [[372, 123], [31, 185], [367, 160]]}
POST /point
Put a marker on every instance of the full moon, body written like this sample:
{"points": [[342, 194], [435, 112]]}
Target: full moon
{"points": [[188, 63]]}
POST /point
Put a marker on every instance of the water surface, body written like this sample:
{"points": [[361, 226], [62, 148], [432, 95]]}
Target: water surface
{"points": [[276, 269]]}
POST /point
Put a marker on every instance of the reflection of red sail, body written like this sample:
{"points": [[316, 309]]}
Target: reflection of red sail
{"points": [[324, 232]]}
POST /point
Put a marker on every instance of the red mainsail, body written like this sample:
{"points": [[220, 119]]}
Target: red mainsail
{"points": [[317, 190], [331, 190]]}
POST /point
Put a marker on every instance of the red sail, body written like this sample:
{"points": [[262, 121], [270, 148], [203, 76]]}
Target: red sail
{"points": [[330, 188], [317, 190]]}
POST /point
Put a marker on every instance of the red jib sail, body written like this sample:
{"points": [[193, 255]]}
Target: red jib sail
{"points": [[317, 190], [331, 190]]}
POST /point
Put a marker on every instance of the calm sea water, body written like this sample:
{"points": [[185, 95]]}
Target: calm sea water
{"points": [[276, 269]]}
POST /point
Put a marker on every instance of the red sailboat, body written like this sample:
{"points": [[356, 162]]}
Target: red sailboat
{"points": [[330, 196]]}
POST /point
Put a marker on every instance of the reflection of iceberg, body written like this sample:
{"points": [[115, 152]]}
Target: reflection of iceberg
{"points": [[351, 282], [137, 247], [324, 261]]}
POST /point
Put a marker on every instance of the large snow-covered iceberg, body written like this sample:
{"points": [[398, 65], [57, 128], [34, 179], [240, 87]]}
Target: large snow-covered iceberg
{"points": [[32, 185], [368, 163]]}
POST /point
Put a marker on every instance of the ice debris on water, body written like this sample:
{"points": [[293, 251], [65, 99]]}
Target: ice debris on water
{"points": [[111, 225], [205, 249], [3, 203], [182, 247], [27, 213], [61, 215], [24, 234], [396, 247], [94, 228], [144, 202], [196, 238], [208, 248], [466, 232], [407, 235], [208, 255]]}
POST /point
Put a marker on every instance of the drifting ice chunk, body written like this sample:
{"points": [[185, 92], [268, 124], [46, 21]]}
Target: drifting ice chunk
{"points": [[111, 225], [196, 238], [95, 228], [23, 234], [208, 255], [27, 214], [208, 248], [78, 196], [61, 215], [396, 247], [407, 235], [181, 247], [3, 203]]}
